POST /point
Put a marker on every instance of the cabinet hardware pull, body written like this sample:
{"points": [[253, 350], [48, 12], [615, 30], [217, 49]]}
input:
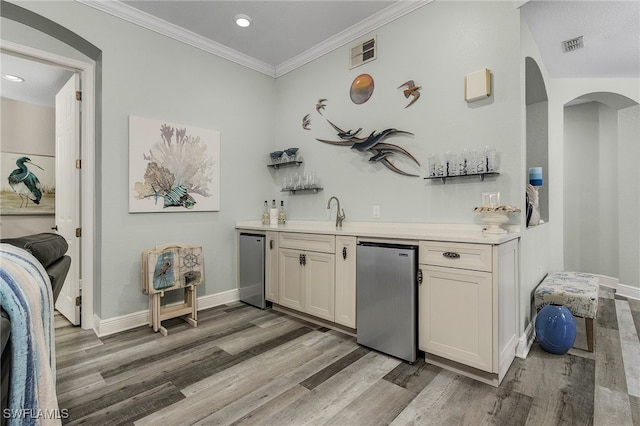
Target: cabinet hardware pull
{"points": [[304, 259], [419, 276], [271, 244], [300, 258], [344, 252], [451, 255]]}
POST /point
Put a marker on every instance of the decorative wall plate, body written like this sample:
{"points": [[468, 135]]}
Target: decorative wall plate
{"points": [[361, 89]]}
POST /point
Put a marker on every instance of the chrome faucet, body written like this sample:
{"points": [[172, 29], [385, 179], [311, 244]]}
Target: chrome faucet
{"points": [[339, 214]]}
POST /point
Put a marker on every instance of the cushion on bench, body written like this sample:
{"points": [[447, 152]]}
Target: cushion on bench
{"points": [[576, 290]]}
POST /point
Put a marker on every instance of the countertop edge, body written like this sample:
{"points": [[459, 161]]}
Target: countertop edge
{"points": [[462, 233]]}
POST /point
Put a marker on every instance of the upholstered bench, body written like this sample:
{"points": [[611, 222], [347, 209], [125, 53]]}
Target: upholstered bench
{"points": [[577, 291]]}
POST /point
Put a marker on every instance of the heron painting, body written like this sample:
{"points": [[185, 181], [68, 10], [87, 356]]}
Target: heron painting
{"points": [[173, 168], [30, 185]]}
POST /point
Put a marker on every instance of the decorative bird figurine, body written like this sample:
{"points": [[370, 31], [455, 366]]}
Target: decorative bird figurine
{"points": [[411, 90], [25, 183], [374, 143], [320, 105], [306, 121], [375, 138]]}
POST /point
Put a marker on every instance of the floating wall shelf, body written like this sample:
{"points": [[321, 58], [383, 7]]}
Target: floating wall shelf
{"points": [[285, 164], [444, 178], [293, 191]]}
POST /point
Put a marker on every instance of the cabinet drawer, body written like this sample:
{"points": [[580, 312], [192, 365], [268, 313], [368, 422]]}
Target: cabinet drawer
{"points": [[475, 257], [308, 242]]}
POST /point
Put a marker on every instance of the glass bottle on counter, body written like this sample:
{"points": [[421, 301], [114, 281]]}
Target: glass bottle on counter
{"points": [[265, 214], [282, 217]]}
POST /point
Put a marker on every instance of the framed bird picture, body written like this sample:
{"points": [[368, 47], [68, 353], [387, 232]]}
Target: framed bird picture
{"points": [[28, 184]]}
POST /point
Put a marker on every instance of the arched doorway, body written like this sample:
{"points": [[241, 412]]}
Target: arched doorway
{"points": [[601, 191]]}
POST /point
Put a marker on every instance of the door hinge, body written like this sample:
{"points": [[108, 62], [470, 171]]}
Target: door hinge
{"points": [[79, 301], [78, 164], [78, 95], [78, 232]]}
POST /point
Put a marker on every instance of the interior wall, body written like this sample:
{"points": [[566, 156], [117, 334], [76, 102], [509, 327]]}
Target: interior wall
{"points": [[436, 46], [628, 210], [143, 74], [29, 129], [535, 242], [590, 186], [603, 234]]}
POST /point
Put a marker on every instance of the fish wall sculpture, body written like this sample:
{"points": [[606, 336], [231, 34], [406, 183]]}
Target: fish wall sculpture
{"points": [[375, 144]]}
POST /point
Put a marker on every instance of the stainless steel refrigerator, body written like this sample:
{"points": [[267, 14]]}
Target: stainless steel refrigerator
{"points": [[386, 298], [251, 270]]}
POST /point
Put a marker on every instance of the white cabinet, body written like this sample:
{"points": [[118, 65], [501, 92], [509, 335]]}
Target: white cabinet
{"points": [[307, 273], [345, 293], [271, 267], [468, 307], [455, 315]]}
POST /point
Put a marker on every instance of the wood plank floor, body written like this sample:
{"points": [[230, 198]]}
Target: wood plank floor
{"points": [[244, 366]]}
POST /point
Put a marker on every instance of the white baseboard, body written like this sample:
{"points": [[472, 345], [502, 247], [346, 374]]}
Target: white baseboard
{"points": [[607, 281], [628, 291], [126, 322], [525, 341]]}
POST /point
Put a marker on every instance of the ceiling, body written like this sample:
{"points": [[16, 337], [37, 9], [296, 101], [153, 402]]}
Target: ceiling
{"points": [[287, 34]]}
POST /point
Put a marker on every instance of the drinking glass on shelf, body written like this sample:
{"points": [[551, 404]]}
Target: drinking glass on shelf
{"points": [[472, 162], [491, 156], [432, 165], [452, 164]]}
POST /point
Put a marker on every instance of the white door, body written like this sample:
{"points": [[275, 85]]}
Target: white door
{"points": [[68, 192]]}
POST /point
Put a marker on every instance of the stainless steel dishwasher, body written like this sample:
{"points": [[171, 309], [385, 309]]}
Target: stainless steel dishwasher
{"points": [[387, 298]]}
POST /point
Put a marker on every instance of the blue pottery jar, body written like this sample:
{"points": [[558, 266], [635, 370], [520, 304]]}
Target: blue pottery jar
{"points": [[555, 329]]}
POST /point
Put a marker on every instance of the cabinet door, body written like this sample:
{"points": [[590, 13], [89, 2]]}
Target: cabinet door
{"points": [[291, 279], [271, 267], [319, 287], [345, 301], [456, 315]]}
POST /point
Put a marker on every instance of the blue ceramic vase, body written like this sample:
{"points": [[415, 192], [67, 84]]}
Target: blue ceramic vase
{"points": [[555, 329]]}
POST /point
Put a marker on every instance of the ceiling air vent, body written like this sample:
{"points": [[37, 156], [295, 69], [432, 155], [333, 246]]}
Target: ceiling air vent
{"points": [[363, 53], [573, 44]]}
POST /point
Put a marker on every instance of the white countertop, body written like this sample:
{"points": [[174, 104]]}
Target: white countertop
{"points": [[463, 233]]}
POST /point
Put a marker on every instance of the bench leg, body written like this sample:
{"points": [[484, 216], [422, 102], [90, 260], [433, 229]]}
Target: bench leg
{"points": [[589, 328]]}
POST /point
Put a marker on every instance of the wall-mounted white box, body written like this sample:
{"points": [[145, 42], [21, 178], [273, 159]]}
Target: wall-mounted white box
{"points": [[477, 85]]}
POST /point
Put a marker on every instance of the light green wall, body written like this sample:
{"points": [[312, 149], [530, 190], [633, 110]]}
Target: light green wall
{"points": [[436, 46], [150, 75], [629, 195]]}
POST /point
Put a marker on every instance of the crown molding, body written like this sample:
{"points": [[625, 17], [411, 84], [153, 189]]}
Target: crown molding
{"points": [[145, 20]]}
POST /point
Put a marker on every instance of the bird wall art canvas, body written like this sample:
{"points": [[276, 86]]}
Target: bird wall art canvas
{"points": [[28, 184], [172, 167]]}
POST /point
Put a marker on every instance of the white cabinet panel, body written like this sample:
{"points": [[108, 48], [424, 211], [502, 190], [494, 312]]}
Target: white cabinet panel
{"points": [[271, 267], [345, 294], [291, 279], [456, 315], [319, 279]]}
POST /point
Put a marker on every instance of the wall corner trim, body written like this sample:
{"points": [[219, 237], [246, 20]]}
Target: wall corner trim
{"points": [[525, 341]]}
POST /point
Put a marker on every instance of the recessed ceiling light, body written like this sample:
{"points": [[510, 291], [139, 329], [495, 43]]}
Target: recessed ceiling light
{"points": [[242, 20], [13, 78]]}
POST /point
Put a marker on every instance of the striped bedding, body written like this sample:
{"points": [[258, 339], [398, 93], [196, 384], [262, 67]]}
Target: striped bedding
{"points": [[25, 293]]}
